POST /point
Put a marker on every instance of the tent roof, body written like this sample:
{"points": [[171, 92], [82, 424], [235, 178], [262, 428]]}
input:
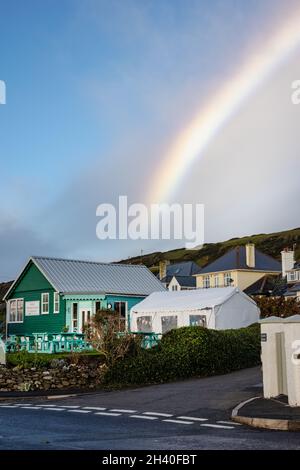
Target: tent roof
{"points": [[196, 299]]}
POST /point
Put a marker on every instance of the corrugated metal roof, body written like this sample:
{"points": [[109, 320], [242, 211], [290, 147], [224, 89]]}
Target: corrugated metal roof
{"points": [[75, 276]]}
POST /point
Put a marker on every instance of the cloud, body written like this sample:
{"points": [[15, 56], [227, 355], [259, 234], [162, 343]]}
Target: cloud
{"points": [[17, 244], [143, 69], [248, 179]]}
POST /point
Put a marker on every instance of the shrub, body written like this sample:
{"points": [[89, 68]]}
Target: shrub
{"points": [[278, 306], [24, 359], [190, 352], [104, 334]]}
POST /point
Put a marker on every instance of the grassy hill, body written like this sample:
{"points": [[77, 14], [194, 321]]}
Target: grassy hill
{"points": [[271, 244]]}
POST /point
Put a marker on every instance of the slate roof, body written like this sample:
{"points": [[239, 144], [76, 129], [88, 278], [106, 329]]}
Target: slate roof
{"points": [[186, 268], [296, 265], [267, 285], [4, 287], [186, 281], [236, 259], [292, 291], [89, 277]]}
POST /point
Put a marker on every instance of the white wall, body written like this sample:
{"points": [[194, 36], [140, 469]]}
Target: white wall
{"points": [[175, 283], [237, 312], [183, 318]]}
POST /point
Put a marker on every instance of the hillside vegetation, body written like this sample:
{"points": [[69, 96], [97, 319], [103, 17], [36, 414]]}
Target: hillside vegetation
{"points": [[271, 244]]}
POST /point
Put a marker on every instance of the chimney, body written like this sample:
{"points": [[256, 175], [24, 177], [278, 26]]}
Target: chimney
{"points": [[163, 268], [287, 260], [250, 255]]}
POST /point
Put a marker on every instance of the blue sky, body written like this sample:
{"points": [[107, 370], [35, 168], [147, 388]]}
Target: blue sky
{"points": [[97, 90]]}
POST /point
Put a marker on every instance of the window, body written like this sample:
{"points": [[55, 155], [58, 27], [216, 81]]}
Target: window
{"points": [[291, 276], [86, 317], [15, 311], [168, 323], [20, 310], [217, 284], [75, 318], [45, 303], [227, 279], [56, 302], [174, 287], [144, 324], [206, 282], [120, 308], [198, 320], [98, 306]]}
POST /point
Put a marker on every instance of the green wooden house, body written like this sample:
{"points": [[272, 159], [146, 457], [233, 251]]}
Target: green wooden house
{"points": [[53, 295]]}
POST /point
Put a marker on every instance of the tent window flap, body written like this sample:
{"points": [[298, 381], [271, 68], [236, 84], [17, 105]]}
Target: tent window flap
{"points": [[198, 320], [168, 323], [144, 324]]}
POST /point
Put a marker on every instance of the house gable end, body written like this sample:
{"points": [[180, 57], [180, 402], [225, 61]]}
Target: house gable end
{"points": [[30, 279]]}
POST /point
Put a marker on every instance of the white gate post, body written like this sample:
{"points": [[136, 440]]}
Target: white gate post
{"points": [[2, 353]]}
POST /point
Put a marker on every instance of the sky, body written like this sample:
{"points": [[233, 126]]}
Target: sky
{"points": [[98, 91]]}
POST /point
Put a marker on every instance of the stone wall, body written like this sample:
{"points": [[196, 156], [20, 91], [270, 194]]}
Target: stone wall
{"points": [[59, 376]]}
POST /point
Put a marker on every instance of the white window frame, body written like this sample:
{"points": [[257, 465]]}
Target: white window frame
{"points": [[227, 279], [216, 280], [56, 300], [16, 314], [43, 302], [206, 282]]}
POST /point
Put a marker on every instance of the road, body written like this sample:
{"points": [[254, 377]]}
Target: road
{"points": [[194, 414]]}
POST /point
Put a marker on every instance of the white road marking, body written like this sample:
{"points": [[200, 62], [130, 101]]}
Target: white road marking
{"points": [[49, 406], [123, 411], [78, 411], [70, 406], [30, 407], [219, 426], [22, 404], [9, 406], [167, 415], [230, 422], [54, 409], [143, 417], [103, 413], [95, 408], [191, 418], [176, 421]]}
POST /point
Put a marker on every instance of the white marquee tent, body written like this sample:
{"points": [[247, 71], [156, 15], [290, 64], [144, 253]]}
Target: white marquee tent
{"points": [[216, 308]]}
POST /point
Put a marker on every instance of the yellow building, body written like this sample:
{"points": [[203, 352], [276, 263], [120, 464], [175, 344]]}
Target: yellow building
{"points": [[240, 267]]}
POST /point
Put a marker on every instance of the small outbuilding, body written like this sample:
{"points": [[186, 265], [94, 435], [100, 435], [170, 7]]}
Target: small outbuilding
{"points": [[216, 308]]}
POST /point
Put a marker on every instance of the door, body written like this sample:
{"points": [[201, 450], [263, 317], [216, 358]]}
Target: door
{"points": [[84, 318], [121, 309]]}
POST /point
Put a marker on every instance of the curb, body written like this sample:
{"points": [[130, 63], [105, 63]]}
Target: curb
{"points": [[264, 423], [34, 397]]}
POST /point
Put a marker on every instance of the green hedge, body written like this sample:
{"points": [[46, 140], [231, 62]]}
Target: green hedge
{"points": [[26, 360], [190, 352]]}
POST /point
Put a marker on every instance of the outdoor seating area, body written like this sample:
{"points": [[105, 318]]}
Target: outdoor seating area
{"points": [[149, 340], [48, 343]]}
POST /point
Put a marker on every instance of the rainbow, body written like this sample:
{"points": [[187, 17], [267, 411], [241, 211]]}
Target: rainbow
{"points": [[194, 139]]}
